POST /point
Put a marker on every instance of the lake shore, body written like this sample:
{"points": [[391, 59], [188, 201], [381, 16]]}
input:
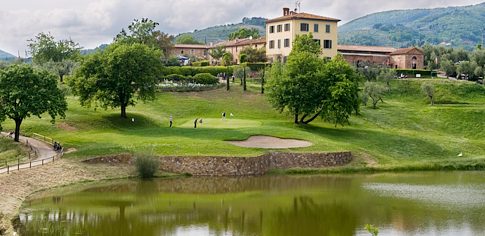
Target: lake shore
{"points": [[17, 186]]}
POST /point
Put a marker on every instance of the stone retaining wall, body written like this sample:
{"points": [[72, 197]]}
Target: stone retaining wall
{"points": [[233, 166], [238, 166]]}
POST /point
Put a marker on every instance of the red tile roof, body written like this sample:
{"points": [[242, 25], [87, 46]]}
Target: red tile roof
{"points": [[402, 51], [302, 15], [358, 48], [191, 46]]}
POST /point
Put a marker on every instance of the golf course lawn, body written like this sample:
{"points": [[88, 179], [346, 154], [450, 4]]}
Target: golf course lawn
{"points": [[10, 151], [405, 130]]}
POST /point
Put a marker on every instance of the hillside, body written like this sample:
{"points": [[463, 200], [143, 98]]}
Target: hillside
{"points": [[221, 32], [5, 56], [453, 26]]}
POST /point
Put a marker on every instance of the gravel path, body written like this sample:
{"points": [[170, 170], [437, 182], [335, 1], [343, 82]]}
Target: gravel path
{"points": [[271, 143]]}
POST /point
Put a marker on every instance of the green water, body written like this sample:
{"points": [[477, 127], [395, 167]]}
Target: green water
{"points": [[433, 203]]}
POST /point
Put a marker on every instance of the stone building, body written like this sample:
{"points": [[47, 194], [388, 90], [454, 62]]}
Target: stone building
{"points": [[404, 58], [196, 50], [235, 46], [282, 31]]}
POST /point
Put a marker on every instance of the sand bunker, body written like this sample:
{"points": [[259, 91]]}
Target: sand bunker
{"points": [[271, 143]]}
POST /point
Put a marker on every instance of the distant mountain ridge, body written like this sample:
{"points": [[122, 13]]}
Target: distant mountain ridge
{"points": [[221, 32], [5, 56], [451, 26]]}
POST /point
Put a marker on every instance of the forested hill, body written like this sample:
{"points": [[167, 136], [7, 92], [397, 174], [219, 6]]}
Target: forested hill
{"points": [[221, 32], [452, 26], [6, 56]]}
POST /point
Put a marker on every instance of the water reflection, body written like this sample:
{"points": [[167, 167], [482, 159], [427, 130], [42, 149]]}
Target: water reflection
{"points": [[275, 205]]}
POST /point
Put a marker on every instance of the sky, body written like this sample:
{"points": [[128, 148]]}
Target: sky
{"points": [[93, 22]]}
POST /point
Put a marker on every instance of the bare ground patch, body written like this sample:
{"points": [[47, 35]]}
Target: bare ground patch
{"points": [[65, 126], [271, 143]]}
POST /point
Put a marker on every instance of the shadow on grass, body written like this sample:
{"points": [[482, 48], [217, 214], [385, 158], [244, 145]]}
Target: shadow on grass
{"points": [[382, 143]]}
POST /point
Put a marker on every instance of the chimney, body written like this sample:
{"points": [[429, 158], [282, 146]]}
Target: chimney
{"points": [[286, 11]]}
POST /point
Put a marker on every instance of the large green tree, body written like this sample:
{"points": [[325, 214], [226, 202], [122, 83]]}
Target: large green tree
{"points": [[144, 32], [57, 56], [217, 53], [186, 39], [118, 76], [244, 33], [252, 55], [26, 92], [309, 87]]}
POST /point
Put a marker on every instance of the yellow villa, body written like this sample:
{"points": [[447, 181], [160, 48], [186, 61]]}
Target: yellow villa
{"points": [[282, 31]]}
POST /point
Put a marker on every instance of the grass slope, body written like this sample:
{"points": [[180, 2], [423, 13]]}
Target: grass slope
{"points": [[405, 130], [10, 151]]}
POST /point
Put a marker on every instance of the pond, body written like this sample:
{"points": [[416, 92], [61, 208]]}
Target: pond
{"points": [[422, 203]]}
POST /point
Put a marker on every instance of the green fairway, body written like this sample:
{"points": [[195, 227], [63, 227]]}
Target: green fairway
{"points": [[404, 130]]}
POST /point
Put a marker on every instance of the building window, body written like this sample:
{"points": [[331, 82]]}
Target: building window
{"points": [[304, 27], [318, 41], [287, 27], [271, 44], [315, 28], [279, 28], [327, 28], [287, 43], [271, 29], [279, 43], [327, 44]]}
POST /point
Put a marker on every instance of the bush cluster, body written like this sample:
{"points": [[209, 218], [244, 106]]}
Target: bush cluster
{"points": [[200, 63], [412, 73], [146, 166], [201, 78], [191, 70]]}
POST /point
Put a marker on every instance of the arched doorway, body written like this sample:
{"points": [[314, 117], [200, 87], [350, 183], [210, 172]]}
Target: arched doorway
{"points": [[414, 62]]}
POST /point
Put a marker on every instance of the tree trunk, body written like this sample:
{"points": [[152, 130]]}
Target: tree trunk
{"points": [[262, 80], [18, 122], [123, 111], [296, 118], [228, 86], [61, 76], [244, 80], [302, 120], [312, 119]]}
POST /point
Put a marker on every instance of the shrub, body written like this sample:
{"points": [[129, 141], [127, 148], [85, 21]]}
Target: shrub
{"points": [[191, 70], [412, 73], [176, 78], [201, 63], [205, 78], [146, 166]]}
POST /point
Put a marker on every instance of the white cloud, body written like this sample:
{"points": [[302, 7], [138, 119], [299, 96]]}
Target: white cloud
{"points": [[91, 22]]}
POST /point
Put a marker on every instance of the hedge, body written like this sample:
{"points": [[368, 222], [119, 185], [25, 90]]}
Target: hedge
{"points": [[413, 73], [200, 63], [202, 78], [192, 70]]}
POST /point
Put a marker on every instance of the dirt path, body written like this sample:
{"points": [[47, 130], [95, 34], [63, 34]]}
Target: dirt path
{"points": [[271, 143]]}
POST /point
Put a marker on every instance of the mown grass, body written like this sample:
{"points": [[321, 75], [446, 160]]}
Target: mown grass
{"points": [[405, 131]]}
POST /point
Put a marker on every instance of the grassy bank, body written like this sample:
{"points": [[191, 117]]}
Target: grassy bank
{"points": [[11, 151], [404, 132]]}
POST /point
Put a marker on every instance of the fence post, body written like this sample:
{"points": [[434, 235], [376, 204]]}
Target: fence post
{"points": [[30, 165], [18, 164], [42, 161], [8, 169], [53, 158]]}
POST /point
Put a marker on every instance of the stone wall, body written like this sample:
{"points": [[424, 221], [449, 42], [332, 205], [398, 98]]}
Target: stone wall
{"points": [[234, 166], [238, 166]]}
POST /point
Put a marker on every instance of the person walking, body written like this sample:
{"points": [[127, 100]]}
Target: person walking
{"points": [[195, 123], [224, 115], [171, 121]]}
